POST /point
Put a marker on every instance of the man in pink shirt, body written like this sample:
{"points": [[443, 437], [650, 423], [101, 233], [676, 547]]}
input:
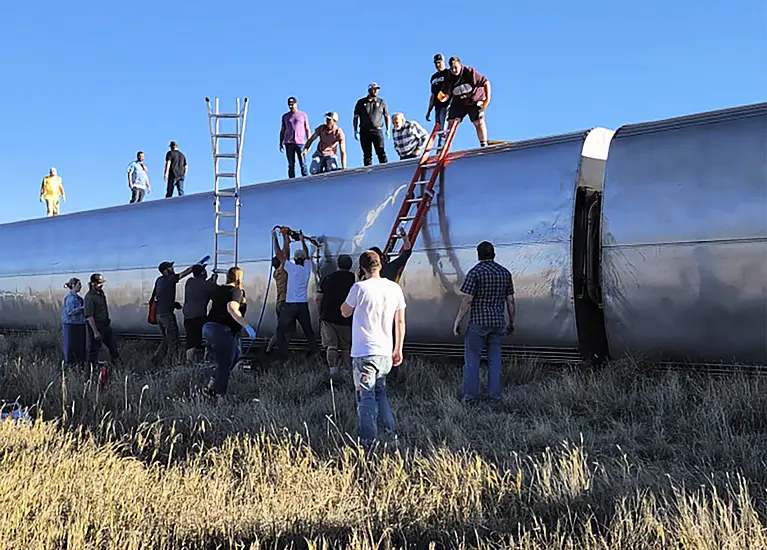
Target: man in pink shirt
{"points": [[293, 134]]}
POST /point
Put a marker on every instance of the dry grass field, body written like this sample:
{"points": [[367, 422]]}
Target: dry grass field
{"points": [[620, 457]]}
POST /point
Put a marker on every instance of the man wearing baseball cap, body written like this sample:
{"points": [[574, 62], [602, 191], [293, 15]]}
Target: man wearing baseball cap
{"points": [[293, 134], [175, 170], [331, 139], [370, 113], [164, 293], [437, 102], [296, 306], [99, 324]]}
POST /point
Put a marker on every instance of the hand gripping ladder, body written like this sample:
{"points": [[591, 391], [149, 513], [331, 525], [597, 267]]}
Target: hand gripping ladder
{"points": [[227, 131], [412, 213]]}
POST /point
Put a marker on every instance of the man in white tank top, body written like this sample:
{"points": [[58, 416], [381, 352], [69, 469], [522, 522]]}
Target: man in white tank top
{"points": [[376, 304]]}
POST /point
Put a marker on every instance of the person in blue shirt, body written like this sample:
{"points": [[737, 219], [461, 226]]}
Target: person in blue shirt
{"points": [[73, 324], [138, 179]]}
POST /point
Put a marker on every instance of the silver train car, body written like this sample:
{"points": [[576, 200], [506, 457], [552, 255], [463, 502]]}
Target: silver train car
{"points": [[657, 249]]}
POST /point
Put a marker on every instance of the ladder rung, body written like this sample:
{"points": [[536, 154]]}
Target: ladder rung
{"points": [[429, 164], [226, 175], [225, 252], [225, 155], [222, 115], [226, 194], [226, 214], [226, 233], [406, 218], [227, 136], [414, 200]]}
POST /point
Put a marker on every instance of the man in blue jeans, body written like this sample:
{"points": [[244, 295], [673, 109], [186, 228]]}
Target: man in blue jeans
{"points": [[488, 293], [376, 305]]}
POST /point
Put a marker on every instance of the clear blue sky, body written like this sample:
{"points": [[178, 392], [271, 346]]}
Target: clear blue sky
{"points": [[87, 84]]}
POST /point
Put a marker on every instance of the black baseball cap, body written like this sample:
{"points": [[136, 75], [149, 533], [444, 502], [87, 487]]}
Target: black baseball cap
{"points": [[173, 144], [165, 265], [97, 278], [292, 100], [439, 57]]}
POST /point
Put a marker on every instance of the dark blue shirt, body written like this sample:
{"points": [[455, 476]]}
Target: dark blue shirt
{"points": [[165, 293], [489, 284]]}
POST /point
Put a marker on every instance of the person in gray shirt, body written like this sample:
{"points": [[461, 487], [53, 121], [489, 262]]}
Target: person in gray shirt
{"points": [[197, 295]]}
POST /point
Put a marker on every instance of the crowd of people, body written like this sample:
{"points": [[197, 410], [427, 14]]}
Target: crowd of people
{"points": [[456, 91], [362, 321]]}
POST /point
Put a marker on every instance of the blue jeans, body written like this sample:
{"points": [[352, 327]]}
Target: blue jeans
{"points": [[74, 343], [226, 349], [323, 163], [293, 151], [178, 183], [373, 408], [476, 338]]}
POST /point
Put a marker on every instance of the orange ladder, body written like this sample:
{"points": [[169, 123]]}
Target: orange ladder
{"points": [[414, 208]]}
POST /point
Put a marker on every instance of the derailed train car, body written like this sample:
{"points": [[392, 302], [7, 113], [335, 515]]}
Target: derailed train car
{"points": [[602, 265]]}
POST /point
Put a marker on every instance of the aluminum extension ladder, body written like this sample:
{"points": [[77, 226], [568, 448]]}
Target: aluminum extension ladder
{"points": [[227, 158], [414, 207]]}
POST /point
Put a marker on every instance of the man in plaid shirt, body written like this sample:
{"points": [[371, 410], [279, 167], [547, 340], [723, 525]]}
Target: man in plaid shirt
{"points": [[488, 292], [409, 137]]}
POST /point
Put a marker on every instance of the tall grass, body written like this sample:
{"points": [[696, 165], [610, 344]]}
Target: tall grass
{"points": [[618, 457]]}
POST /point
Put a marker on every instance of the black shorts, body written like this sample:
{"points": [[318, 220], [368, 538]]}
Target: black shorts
{"points": [[459, 110], [193, 328]]}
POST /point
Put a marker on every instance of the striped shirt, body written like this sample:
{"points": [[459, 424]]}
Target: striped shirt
{"points": [[409, 139]]}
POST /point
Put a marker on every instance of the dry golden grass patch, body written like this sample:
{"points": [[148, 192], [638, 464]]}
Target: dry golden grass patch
{"points": [[576, 459]]}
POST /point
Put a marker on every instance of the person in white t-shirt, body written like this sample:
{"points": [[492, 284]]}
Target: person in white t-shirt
{"points": [[296, 306], [376, 304]]}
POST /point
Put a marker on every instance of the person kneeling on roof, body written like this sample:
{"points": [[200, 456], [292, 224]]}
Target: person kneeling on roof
{"points": [[409, 137], [331, 139]]}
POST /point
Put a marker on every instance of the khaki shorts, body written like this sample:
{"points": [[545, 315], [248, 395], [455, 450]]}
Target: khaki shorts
{"points": [[336, 336]]}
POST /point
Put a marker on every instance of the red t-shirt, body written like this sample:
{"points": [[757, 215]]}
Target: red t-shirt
{"points": [[467, 87]]}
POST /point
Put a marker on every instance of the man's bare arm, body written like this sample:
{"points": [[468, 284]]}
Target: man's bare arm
{"points": [[342, 145], [311, 139], [487, 94], [286, 246], [511, 307], [346, 310], [277, 249], [167, 169], [463, 309]]}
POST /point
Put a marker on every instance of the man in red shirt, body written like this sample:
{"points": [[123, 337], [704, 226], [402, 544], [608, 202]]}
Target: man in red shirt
{"points": [[469, 94], [331, 139]]}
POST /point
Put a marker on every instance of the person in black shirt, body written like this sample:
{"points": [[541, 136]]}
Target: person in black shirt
{"points": [[390, 269], [175, 170], [370, 113], [336, 330], [222, 331], [99, 324], [164, 293], [440, 107]]}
